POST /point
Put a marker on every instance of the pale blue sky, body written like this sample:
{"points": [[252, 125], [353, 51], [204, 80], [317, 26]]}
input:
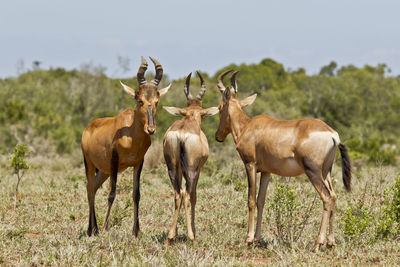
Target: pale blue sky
{"points": [[206, 35]]}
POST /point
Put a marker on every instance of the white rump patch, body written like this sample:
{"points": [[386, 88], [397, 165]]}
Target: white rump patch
{"points": [[320, 143]]}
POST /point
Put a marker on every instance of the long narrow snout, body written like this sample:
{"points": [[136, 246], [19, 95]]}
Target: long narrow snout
{"points": [[218, 137], [150, 128]]}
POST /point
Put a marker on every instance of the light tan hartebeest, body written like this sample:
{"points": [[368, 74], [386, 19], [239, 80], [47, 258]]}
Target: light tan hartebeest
{"points": [[282, 147], [110, 145], [185, 152]]}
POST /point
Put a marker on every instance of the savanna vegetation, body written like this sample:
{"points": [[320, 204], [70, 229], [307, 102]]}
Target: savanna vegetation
{"points": [[46, 224]]}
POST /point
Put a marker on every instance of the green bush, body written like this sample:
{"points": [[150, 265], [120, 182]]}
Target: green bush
{"points": [[289, 215], [356, 221], [373, 148], [389, 221], [396, 200]]}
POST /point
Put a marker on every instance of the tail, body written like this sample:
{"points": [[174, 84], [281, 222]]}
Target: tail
{"points": [[346, 167], [183, 159]]}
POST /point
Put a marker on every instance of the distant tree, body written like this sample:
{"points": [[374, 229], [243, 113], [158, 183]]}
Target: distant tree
{"points": [[328, 70], [36, 65], [18, 163]]}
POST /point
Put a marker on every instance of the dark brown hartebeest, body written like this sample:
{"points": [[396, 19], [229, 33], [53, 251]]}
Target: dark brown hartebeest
{"points": [[110, 145]]}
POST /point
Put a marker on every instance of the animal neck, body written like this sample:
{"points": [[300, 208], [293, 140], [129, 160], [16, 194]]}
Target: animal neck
{"points": [[137, 128], [239, 120], [195, 119]]}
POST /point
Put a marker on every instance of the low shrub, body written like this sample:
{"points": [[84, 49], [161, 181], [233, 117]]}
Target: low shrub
{"points": [[288, 214]]}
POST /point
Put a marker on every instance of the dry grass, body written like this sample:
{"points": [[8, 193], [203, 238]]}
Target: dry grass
{"points": [[48, 226]]}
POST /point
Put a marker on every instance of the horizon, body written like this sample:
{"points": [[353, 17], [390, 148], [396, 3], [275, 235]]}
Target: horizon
{"points": [[92, 67]]}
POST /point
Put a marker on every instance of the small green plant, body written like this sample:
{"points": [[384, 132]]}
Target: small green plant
{"points": [[289, 214], [389, 221], [359, 218], [396, 200], [356, 221], [18, 163]]}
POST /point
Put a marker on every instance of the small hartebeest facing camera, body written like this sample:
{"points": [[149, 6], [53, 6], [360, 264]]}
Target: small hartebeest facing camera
{"points": [[185, 152], [110, 145], [282, 147]]}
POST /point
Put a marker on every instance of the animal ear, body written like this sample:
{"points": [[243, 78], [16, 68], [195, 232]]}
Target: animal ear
{"points": [[209, 111], [128, 90], [227, 94], [248, 100], [175, 111], [164, 90]]}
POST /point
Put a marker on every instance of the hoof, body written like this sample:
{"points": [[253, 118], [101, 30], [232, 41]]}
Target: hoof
{"points": [[317, 247], [136, 232], [249, 241], [93, 231], [258, 240], [105, 227], [330, 245], [169, 241], [191, 237]]}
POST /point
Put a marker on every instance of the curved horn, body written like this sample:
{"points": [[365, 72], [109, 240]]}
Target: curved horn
{"points": [[233, 81], [203, 86], [220, 84], [159, 71], [186, 87], [141, 71]]}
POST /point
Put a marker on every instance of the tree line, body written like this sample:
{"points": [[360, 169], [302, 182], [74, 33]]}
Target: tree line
{"points": [[49, 109]]}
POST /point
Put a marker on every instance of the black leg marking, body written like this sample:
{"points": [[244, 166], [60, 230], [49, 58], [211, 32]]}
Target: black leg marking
{"points": [[136, 198]]}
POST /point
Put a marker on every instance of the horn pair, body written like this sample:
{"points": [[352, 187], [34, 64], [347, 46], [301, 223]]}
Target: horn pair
{"points": [[221, 85], [187, 85], [143, 68]]}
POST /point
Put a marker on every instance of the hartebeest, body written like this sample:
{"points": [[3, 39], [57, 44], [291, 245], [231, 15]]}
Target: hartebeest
{"points": [[185, 152], [110, 145], [282, 147]]}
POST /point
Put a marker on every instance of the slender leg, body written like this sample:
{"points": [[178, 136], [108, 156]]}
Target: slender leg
{"points": [[191, 198], [251, 178], [113, 186], [98, 181], [190, 183], [176, 180], [264, 180], [331, 236], [136, 197], [314, 173], [90, 175]]}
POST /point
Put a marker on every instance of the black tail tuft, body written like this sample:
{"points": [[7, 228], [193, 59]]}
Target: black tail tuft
{"points": [[183, 158], [346, 167]]}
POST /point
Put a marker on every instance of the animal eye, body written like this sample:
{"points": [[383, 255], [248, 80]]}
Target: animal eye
{"points": [[140, 102]]}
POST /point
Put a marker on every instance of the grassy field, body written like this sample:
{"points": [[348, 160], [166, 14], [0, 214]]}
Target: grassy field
{"points": [[48, 226]]}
